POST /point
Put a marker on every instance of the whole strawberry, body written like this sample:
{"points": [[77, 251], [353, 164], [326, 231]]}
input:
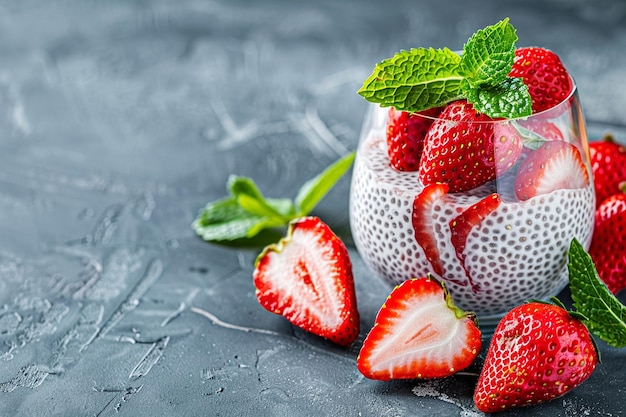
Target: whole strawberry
{"points": [[608, 163], [464, 152], [608, 242], [545, 76], [307, 278], [405, 137], [538, 352]]}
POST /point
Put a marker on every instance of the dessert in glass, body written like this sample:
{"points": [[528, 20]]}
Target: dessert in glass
{"points": [[496, 225]]}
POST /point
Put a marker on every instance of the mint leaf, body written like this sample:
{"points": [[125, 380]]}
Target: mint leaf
{"points": [[316, 188], [606, 316], [415, 80], [509, 99], [488, 55], [246, 212], [531, 139], [421, 78], [283, 206], [224, 220]]}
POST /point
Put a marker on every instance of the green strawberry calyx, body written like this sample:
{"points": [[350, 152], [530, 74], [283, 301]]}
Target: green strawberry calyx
{"points": [[423, 78]]}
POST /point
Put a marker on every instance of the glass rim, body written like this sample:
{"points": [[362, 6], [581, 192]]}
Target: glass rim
{"points": [[544, 114]]}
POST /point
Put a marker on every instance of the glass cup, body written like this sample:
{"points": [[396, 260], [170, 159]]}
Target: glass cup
{"points": [[515, 252]]}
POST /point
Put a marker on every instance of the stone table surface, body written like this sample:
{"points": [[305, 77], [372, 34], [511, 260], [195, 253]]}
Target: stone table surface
{"points": [[120, 120]]}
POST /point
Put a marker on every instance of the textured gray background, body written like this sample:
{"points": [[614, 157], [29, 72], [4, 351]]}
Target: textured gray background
{"points": [[120, 119]]}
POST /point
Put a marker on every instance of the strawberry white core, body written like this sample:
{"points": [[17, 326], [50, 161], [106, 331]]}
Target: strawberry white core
{"points": [[302, 275], [427, 332], [518, 252]]}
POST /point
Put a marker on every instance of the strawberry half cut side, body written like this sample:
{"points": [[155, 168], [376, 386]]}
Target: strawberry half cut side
{"points": [[419, 333], [463, 224], [422, 219], [307, 278], [554, 165]]}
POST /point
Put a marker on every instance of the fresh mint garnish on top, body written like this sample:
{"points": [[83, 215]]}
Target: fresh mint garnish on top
{"points": [[422, 78], [246, 211], [604, 314], [488, 55]]}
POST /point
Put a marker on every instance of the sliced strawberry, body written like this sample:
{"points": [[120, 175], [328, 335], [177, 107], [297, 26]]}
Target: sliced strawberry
{"points": [[463, 224], [545, 76], [462, 150], [405, 137], [419, 333], [307, 278], [608, 164], [422, 219], [608, 242], [554, 165]]}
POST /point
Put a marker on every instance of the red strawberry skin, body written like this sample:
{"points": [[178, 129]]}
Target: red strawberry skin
{"points": [[608, 164], [405, 137], [538, 352], [608, 242], [307, 278], [554, 165], [463, 151], [419, 333], [545, 76]]}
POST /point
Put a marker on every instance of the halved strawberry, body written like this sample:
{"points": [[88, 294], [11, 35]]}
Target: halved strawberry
{"points": [[608, 242], [405, 137], [554, 165], [307, 278], [463, 151], [419, 333], [545, 76], [422, 219], [463, 224], [608, 164]]}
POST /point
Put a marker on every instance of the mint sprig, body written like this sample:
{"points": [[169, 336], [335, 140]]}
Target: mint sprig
{"points": [[603, 313], [246, 211], [423, 78]]}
